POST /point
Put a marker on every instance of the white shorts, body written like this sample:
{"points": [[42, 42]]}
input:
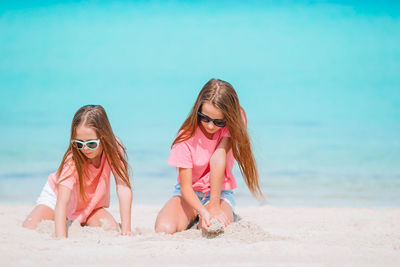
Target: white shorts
{"points": [[47, 197]]}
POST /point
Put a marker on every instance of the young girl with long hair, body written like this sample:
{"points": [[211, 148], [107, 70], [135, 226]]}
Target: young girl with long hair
{"points": [[80, 188], [211, 138]]}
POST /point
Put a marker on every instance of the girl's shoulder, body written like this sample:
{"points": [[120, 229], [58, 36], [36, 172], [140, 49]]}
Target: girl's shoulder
{"points": [[184, 136], [67, 171], [243, 114], [69, 163], [69, 160]]}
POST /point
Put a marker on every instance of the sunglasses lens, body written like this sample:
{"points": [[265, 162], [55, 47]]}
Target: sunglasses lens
{"points": [[219, 123], [203, 118], [79, 145], [91, 145]]}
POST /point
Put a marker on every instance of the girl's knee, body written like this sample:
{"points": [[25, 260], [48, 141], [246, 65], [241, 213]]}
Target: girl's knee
{"points": [[106, 223], [165, 227], [114, 225], [29, 223]]}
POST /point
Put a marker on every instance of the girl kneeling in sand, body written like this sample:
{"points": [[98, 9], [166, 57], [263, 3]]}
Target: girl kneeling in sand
{"points": [[80, 189], [211, 138]]}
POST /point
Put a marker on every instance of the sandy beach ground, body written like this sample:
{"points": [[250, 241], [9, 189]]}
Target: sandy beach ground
{"points": [[265, 236]]}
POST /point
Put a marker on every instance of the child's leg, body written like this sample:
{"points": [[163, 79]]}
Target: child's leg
{"points": [[227, 208], [95, 219], [38, 214], [175, 216]]}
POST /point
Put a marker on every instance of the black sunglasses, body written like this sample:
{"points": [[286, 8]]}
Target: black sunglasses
{"points": [[205, 118]]}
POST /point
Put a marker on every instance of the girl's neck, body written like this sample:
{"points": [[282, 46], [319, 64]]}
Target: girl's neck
{"points": [[206, 134], [96, 162]]}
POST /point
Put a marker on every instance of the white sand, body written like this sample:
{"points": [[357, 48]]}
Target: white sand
{"points": [[266, 236]]}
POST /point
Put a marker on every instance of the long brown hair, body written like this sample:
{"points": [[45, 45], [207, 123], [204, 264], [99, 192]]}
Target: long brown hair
{"points": [[95, 117], [222, 95]]}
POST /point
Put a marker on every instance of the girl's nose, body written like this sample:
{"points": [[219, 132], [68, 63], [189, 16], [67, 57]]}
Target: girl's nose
{"points": [[210, 125]]}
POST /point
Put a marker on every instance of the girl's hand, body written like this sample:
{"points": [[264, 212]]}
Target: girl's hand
{"points": [[217, 213], [204, 220]]}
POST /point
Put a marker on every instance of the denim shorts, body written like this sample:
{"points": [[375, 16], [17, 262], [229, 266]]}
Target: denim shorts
{"points": [[226, 195]]}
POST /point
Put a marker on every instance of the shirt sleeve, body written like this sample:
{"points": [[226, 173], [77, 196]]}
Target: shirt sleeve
{"points": [[243, 114], [68, 175], [180, 156]]}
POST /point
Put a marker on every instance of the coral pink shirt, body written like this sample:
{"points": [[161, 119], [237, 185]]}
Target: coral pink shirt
{"points": [[195, 153], [97, 188]]}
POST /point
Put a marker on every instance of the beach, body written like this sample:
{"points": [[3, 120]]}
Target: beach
{"points": [[319, 83], [265, 236]]}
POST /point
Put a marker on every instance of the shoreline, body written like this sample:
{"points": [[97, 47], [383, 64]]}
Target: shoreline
{"points": [[266, 235]]}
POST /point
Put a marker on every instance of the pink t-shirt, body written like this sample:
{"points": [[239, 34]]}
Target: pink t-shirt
{"points": [[97, 188], [196, 152]]}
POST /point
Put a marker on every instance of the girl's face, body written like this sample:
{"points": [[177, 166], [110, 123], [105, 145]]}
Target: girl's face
{"points": [[212, 112], [84, 133]]}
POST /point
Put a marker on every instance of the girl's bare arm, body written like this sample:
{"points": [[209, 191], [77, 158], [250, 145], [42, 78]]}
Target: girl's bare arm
{"points": [[125, 206], [191, 198], [217, 174], [60, 212]]}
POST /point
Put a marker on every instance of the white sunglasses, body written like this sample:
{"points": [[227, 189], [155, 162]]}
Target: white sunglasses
{"points": [[91, 144]]}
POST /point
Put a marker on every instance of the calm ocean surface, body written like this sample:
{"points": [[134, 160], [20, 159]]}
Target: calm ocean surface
{"points": [[320, 83]]}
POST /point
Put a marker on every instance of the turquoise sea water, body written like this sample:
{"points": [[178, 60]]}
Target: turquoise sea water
{"points": [[319, 81]]}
